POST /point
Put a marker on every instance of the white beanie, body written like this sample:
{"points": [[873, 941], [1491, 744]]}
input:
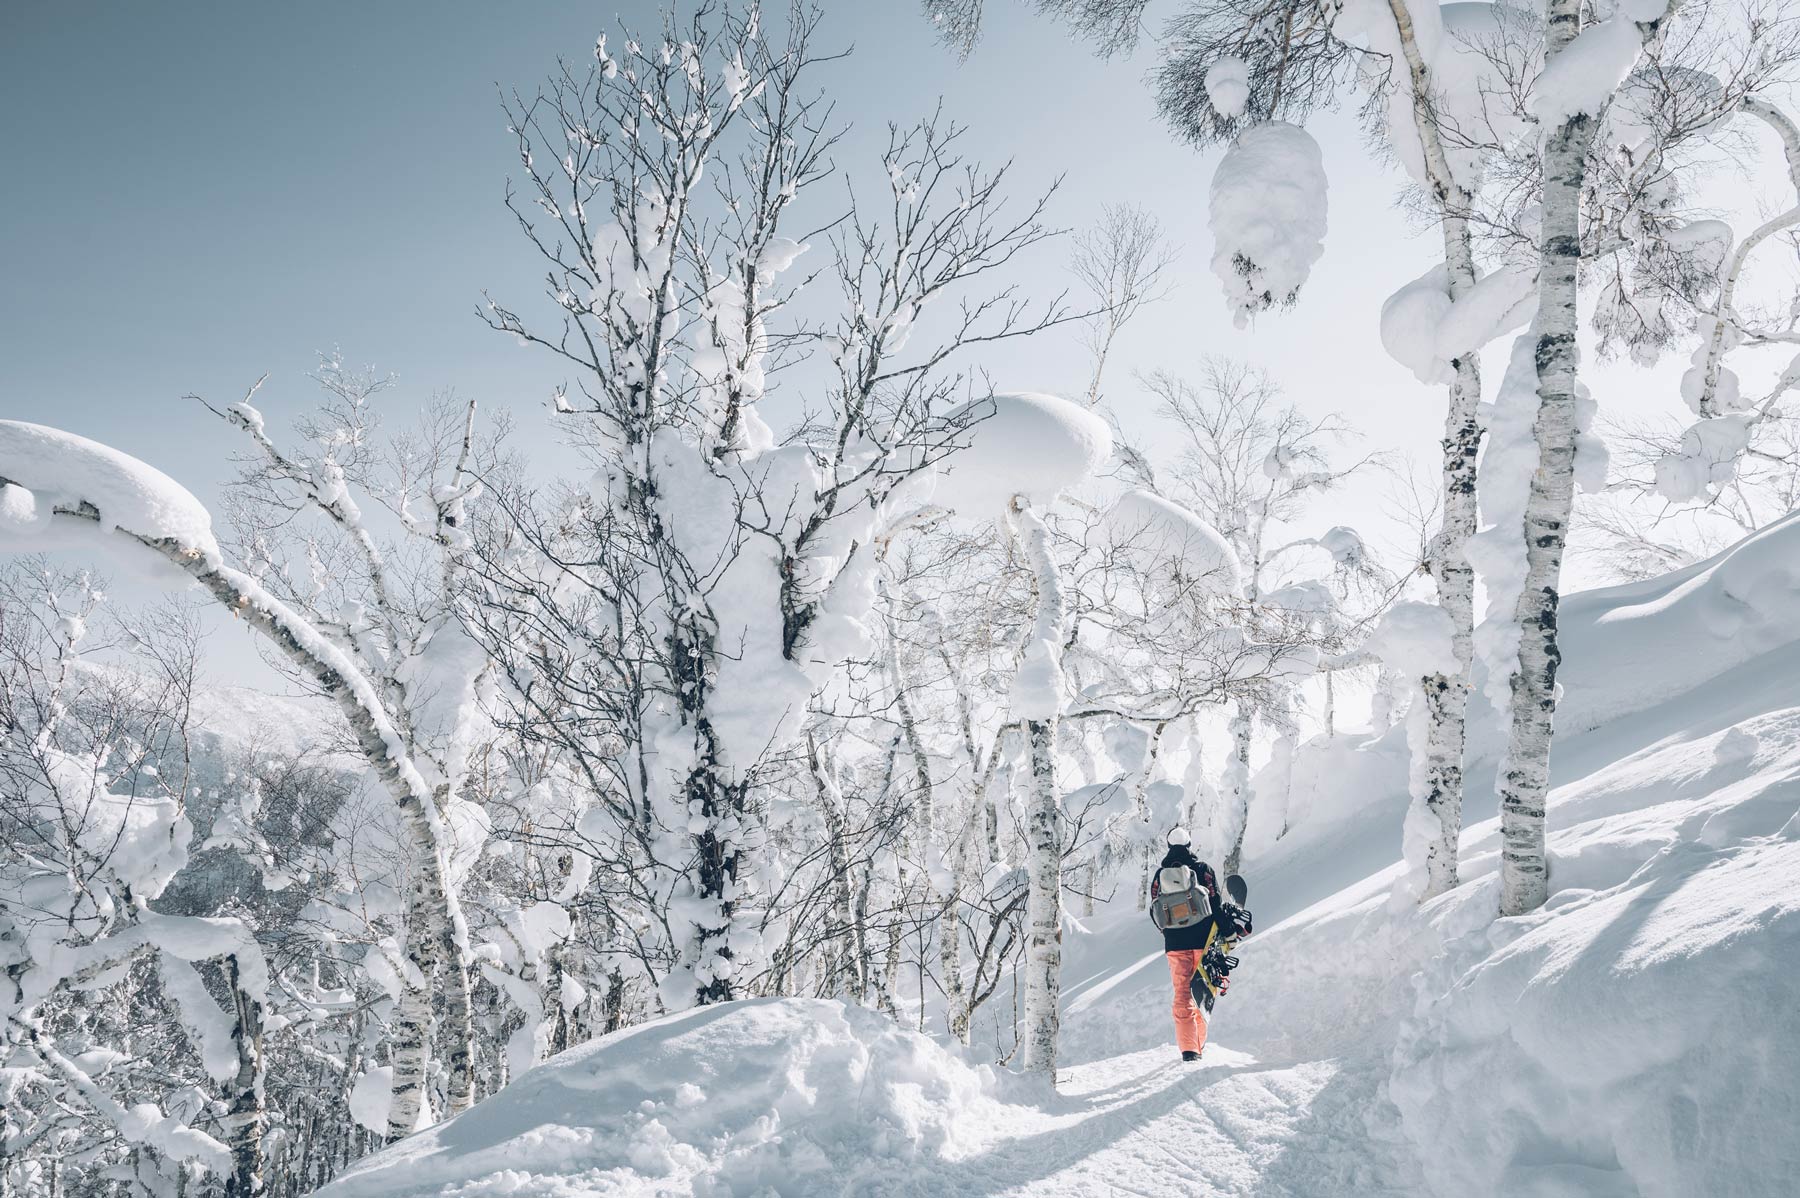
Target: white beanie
{"points": [[1180, 836]]}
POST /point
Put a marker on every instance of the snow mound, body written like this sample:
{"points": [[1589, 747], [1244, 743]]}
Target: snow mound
{"points": [[1635, 1039], [46, 467], [771, 1096], [1019, 443], [1267, 215]]}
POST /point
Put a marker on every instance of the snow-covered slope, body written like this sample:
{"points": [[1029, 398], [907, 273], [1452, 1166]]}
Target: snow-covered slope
{"points": [[1640, 1035]]}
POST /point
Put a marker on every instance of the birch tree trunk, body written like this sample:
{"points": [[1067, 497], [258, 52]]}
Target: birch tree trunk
{"points": [[1525, 777], [1237, 790], [1447, 696], [719, 802], [245, 1115], [410, 1050], [1043, 908], [845, 972]]}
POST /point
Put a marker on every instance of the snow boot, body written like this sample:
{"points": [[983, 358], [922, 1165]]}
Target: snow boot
{"points": [[1190, 1056]]}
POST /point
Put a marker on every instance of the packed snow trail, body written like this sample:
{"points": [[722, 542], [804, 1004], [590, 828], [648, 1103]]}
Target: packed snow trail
{"points": [[1146, 1123]]}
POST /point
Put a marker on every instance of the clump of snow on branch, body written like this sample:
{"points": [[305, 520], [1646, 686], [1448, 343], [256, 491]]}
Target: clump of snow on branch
{"points": [[1585, 74], [1474, 54], [1171, 545], [1424, 330], [1707, 458], [1019, 444], [1414, 639], [1267, 214], [46, 468], [1228, 86]]}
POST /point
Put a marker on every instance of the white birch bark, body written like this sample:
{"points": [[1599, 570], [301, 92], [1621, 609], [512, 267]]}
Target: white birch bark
{"points": [[1525, 778], [1525, 775], [1717, 339], [245, 1115], [1237, 787], [1447, 696], [1043, 909]]}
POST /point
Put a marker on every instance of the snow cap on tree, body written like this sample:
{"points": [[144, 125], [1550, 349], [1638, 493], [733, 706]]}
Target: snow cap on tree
{"points": [[1267, 214], [45, 468], [1019, 443]]}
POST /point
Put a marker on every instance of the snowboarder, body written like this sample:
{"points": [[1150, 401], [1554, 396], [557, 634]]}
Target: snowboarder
{"points": [[1197, 927]]}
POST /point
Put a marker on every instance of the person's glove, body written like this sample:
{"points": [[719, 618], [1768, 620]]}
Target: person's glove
{"points": [[1234, 921]]}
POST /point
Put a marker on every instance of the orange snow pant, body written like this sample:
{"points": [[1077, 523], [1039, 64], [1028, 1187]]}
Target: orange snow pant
{"points": [[1190, 1025]]}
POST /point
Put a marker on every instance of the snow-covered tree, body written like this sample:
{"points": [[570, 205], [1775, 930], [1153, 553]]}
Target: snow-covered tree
{"points": [[401, 677], [1250, 465], [714, 577], [95, 778]]}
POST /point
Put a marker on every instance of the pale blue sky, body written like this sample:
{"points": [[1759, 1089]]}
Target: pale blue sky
{"points": [[196, 193]]}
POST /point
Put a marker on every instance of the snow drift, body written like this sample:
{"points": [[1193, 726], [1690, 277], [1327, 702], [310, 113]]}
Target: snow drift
{"points": [[772, 1096]]}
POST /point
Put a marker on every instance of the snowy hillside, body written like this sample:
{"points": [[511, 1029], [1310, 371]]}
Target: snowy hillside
{"points": [[1638, 1036]]}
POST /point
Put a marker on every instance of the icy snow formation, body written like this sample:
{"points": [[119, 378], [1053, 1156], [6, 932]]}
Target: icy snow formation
{"points": [[1267, 214], [47, 467], [1019, 443]]}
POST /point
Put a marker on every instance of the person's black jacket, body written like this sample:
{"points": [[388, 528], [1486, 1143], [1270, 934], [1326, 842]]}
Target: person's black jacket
{"points": [[1177, 939]]}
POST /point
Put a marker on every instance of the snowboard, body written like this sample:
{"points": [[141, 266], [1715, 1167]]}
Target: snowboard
{"points": [[1216, 962]]}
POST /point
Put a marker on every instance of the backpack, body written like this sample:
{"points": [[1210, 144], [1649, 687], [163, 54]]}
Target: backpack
{"points": [[1181, 902]]}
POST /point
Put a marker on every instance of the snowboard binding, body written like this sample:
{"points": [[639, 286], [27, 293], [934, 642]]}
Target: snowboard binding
{"points": [[1232, 924]]}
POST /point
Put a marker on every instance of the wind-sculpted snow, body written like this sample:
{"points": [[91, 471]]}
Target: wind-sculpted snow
{"points": [[1638, 645]]}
